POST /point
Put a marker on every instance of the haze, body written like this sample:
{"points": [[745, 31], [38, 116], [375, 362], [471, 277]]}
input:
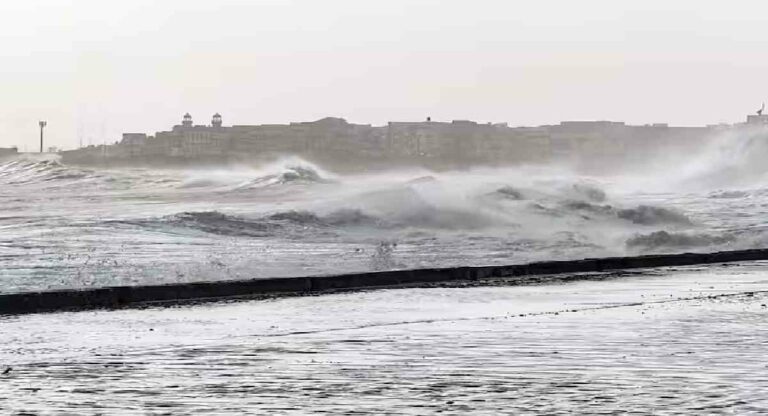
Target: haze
{"points": [[94, 69]]}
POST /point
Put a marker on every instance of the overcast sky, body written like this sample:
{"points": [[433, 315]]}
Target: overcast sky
{"points": [[96, 68]]}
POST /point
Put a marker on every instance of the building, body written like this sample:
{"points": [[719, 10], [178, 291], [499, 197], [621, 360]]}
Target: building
{"points": [[757, 119], [191, 141], [436, 144], [8, 152]]}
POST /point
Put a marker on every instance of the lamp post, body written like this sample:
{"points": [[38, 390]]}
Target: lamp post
{"points": [[42, 125]]}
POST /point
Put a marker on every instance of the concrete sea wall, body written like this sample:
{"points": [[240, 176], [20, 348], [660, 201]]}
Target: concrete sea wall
{"points": [[137, 296]]}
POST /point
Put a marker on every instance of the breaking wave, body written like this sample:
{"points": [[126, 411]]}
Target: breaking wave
{"points": [[666, 240], [338, 218], [290, 171], [650, 215], [47, 172], [275, 224], [732, 159], [27, 171], [729, 194], [214, 222], [639, 215], [299, 174]]}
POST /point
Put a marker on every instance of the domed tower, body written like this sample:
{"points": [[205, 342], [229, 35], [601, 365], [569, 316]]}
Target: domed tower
{"points": [[187, 120], [216, 120]]}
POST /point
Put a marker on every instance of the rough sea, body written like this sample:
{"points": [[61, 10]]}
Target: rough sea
{"points": [[66, 226], [690, 340]]}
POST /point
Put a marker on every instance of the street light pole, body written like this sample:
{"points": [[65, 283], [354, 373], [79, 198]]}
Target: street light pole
{"points": [[42, 125]]}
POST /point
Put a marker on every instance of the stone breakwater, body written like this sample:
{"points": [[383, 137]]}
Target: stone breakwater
{"points": [[137, 296]]}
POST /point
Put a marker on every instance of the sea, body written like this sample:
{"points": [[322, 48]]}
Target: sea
{"points": [[66, 226], [683, 340]]}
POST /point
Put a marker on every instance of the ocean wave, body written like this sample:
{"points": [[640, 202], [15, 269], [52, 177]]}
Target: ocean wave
{"points": [[274, 224], [30, 171], [554, 189], [287, 175], [337, 218], [211, 222], [289, 171], [729, 194], [422, 179], [665, 240], [734, 158], [588, 192], [586, 207], [640, 215], [650, 215], [215, 222], [438, 205], [296, 217], [509, 192], [353, 217]]}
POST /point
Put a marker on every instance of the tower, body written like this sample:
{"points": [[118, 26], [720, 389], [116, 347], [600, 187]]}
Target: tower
{"points": [[42, 126], [216, 120], [187, 120]]}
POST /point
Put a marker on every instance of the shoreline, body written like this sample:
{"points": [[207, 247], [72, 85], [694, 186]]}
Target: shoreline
{"points": [[117, 297]]}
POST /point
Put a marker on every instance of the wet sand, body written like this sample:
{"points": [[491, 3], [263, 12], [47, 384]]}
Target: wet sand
{"points": [[689, 340]]}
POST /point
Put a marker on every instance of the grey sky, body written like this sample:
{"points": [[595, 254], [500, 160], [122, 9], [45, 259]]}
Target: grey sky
{"points": [[96, 68]]}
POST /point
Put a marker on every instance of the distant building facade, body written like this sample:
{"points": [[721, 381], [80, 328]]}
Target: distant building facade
{"points": [[592, 144], [8, 151]]}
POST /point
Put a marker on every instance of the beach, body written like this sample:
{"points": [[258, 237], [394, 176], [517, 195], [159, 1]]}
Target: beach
{"points": [[674, 341]]}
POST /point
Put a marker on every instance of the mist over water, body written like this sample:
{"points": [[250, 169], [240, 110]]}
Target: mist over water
{"points": [[68, 226]]}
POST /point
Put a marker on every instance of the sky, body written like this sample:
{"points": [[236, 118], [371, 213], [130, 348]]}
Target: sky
{"points": [[96, 68]]}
